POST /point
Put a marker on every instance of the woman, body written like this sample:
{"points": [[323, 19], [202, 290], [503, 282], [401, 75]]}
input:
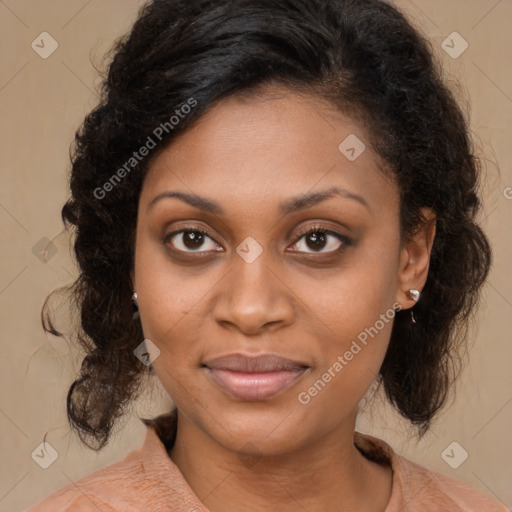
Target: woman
{"points": [[287, 193]]}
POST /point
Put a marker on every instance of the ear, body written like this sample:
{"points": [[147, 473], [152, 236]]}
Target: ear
{"points": [[415, 259]]}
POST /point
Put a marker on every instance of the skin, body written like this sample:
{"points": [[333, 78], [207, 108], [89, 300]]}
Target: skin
{"points": [[249, 154]]}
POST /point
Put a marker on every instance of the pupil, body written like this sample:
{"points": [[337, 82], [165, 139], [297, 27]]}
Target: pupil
{"points": [[193, 239], [318, 241]]}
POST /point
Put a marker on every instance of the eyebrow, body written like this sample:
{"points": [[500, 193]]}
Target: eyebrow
{"points": [[289, 206]]}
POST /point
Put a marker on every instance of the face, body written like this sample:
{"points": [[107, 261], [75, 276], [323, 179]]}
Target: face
{"points": [[238, 273]]}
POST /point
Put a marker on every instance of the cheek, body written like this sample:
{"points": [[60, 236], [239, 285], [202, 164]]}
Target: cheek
{"points": [[356, 314], [169, 296], [170, 319], [352, 298], [350, 364]]}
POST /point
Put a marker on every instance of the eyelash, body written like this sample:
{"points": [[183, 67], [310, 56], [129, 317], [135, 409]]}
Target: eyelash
{"points": [[318, 228]]}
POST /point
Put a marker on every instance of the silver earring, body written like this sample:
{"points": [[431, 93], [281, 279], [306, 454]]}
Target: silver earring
{"points": [[135, 306], [415, 295]]}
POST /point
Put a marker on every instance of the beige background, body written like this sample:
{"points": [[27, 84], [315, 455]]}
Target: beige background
{"points": [[43, 101]]}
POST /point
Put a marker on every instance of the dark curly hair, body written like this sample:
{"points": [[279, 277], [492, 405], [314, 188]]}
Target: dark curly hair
{"points": [[368, 61]]}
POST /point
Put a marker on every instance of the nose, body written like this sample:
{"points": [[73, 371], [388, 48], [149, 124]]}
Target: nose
{"points": [[253, 297]]}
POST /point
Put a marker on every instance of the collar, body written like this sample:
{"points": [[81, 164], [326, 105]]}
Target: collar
{"points": [[161, 436]]}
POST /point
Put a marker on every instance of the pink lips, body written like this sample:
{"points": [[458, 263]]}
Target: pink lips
{"points": [[254, 378]]}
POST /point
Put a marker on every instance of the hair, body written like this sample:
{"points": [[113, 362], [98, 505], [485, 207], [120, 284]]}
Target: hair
{"points": [[366, 59]]}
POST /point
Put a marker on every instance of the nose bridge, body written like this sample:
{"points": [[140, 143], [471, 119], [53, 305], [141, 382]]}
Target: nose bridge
{"points": [[251, 272], [250, 284], [252, 294]]}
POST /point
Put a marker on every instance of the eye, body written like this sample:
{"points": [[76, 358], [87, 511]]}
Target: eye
{"points": [[318, 238], [191, 240]]}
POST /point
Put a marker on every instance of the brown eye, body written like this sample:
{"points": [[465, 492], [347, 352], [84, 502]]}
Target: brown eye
{"points": [[320, 240], [191, 240]]}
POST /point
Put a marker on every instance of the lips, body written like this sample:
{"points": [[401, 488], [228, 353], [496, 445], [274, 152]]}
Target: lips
{"points": [[254, 377], [252, 364]]}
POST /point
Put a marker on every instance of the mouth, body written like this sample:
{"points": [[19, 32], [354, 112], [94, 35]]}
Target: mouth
{"points": [[253, 378]]}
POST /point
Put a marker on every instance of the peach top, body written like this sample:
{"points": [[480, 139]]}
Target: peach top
{"points": [[147, 480]]}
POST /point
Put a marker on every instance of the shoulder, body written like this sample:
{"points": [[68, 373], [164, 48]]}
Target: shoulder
{"points": [[418, 489], [146, 479], [98, 490], [444, 492], [421, 487]]}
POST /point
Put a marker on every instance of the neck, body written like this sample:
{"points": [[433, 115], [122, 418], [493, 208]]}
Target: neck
{"points": [[329, 475]]}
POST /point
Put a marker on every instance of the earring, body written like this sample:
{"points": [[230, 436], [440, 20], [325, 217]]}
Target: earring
{"points": [[135, 306], [415, 295]]}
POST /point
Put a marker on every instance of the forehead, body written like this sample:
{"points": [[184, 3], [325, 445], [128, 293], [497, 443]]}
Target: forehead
{"points": [[256, 149]]}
